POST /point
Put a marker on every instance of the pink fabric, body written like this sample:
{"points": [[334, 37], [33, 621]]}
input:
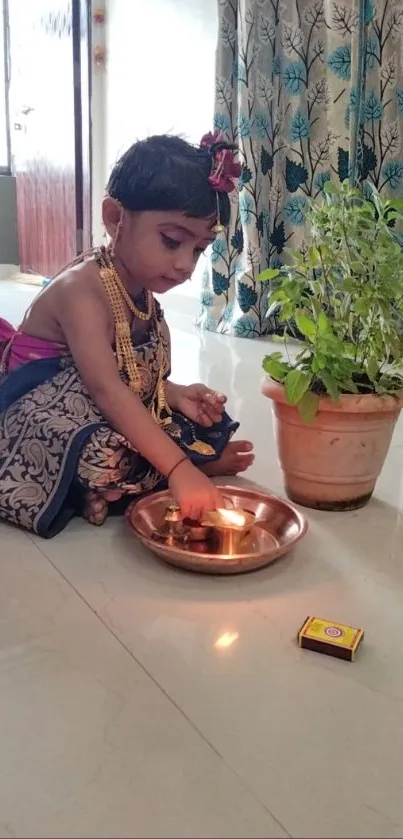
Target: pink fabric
{"points": [[17, 349]]}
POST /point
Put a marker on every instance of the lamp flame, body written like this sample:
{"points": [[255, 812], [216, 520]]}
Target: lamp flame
{"points": [[226, 640], [232, 517]]}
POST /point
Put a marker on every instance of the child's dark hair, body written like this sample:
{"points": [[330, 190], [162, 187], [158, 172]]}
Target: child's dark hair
{"points": [[166, 173]]}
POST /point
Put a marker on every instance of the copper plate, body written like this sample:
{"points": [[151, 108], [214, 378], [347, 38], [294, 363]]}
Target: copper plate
{"points": [[279, 525]]}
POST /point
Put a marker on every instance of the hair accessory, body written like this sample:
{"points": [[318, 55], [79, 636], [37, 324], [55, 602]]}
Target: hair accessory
{"points": [[224, 169]]}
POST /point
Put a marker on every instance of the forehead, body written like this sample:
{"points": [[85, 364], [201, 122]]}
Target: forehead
{"points": [[191, 228]]}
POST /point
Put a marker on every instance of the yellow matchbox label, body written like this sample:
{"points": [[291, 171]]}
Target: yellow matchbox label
{"points": [[331, 633]]}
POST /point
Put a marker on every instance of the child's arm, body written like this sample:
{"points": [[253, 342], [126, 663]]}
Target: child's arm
{"points": [[196, 402], [84, 322]]}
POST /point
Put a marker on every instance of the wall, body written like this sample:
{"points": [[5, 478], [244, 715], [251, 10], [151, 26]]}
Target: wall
{"points": [[99, 126], [161, 69], [160, 77], [9, 253]]}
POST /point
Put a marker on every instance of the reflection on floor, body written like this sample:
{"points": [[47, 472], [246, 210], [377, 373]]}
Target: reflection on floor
{"points": [[123, 714]]}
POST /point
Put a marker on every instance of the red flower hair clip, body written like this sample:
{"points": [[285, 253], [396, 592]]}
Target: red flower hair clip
{"points": [[224, 170]]}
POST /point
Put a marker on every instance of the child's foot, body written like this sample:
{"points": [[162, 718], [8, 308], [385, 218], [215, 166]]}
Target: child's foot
{"points": [[236, 457], [96, 505]]}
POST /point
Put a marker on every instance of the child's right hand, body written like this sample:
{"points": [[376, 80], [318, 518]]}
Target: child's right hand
{"points": [[194, 492]]}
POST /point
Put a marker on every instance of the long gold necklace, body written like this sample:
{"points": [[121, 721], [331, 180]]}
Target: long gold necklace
{"points": [[126, 358], [126, 297]]}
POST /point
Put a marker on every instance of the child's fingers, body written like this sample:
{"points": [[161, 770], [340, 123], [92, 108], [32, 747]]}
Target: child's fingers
{"points": [[214, 406], [204, 419], [213, 414], [211, 397]]}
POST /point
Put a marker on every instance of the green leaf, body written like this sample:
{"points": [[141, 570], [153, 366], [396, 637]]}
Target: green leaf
{"points": [[330, 384], [296, 385], [305, 325], [278, 295], [357, 267], [323, 324], [308, 407], [330, 188], [268, 274], [275, 367], [380, 389], [349, 386], [287, 311], [361, 306], [319, 362], [316, 306], [397, 205], [372, 368], [313, 257]]}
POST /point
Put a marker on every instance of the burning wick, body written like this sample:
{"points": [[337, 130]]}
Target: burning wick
{"points": [[232, 518], [226, 640]]}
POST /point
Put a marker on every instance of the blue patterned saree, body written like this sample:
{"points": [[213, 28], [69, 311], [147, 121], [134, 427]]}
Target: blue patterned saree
{"points": [[55, 445]]}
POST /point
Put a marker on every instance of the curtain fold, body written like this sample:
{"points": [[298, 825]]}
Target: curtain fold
{"points": [[310, 90]]}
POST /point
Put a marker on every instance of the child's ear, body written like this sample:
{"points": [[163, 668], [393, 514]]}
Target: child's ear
{"points": [[111, 215]]}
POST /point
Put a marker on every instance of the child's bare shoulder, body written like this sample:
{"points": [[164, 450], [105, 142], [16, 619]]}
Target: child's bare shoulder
{"points": [[80, 284], [77, 288], [83, 279]]}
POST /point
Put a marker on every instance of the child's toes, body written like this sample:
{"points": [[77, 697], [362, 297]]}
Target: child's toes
{"points": [[246, 461], [95, 508], [242, 462], [242, 446]]}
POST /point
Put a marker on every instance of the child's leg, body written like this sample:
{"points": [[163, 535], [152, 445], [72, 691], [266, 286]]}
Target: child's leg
{"points": [[237, 457]]}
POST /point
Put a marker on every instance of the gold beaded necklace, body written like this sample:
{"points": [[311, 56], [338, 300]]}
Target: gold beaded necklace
{"points": [[125, 354], [126, 297]]}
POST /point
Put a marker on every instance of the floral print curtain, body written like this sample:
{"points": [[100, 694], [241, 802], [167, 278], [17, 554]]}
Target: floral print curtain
{"points": [[309, 90]]}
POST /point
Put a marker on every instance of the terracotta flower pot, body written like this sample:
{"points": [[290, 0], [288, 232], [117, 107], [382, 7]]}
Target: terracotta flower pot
{"points": [[333, 463]]}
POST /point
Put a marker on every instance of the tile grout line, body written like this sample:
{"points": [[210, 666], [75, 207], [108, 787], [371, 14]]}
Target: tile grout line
{"points": [[127, 649]]}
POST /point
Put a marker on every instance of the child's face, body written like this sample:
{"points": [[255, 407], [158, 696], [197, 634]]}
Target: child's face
{"points": [[160, 250]]}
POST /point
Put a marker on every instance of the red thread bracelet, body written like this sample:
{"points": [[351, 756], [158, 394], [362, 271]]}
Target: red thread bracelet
{"points": [[170, 473]]}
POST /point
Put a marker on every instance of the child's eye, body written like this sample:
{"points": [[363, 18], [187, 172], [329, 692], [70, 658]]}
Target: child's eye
{"points": [[172, 244], [198, 252]]}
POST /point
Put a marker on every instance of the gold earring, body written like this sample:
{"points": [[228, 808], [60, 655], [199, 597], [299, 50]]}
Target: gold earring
{"points": [[218, 227], [112, 243]]}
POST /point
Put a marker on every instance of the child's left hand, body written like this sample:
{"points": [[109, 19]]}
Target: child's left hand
{"points": [[200, 404]]}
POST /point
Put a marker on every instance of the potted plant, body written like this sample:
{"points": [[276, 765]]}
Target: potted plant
{"points": [[337, 396]]}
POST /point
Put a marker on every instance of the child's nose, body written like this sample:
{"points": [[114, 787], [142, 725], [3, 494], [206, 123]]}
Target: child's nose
{"points": [[184, 263]]}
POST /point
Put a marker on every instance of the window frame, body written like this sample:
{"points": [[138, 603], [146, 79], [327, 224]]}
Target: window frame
{"points": [[5, 169]]}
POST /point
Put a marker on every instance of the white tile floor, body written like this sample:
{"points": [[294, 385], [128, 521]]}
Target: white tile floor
{"points": [[119, 716]]}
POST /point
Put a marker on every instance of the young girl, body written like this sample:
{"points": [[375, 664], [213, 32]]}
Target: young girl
{"points": [[88, 412]]}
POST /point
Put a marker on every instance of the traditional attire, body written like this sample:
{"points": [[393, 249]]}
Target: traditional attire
{"points": [[54, 442]]}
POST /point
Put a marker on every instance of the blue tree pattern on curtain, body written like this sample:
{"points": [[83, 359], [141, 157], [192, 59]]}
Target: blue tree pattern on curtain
{"points": [[289, 93]]}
